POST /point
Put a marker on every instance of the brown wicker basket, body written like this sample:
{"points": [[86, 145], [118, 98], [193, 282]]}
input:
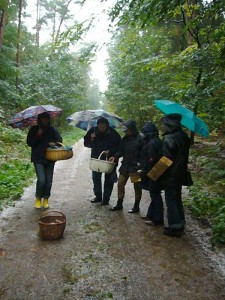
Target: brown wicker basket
{"points": [[58, 153], [52, 225]]}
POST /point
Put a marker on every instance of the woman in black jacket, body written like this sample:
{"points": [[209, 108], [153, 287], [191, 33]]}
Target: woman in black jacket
{"points": [[39, 138], [102, 138], [176, 144], [151, 153], [130, 150]]}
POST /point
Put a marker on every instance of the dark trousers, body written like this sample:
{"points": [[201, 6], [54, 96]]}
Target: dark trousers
{"points": [[108, 185], [155, 209], [175, 210], [44, 174]]}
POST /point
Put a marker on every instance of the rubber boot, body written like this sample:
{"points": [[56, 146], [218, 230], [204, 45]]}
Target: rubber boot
{"points": [[45, 203], [119, 206], [38, 203], [136, 208]]}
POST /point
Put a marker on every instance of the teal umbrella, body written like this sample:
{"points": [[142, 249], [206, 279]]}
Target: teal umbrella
{"points": [[189, 119]]}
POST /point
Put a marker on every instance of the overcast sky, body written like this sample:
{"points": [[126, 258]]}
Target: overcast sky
{"points": [[98, 33]]}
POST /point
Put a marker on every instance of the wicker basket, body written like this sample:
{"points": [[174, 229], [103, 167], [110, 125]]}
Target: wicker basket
{"points": [[58, 153], [135, 177], [52, 225], [102, 166]]}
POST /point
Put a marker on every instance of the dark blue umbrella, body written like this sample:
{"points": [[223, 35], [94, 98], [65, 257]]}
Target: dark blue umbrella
{"points": [[88, 118], [189, 119]]}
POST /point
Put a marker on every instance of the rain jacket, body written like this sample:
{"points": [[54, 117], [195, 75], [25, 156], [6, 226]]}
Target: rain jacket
{"points": [[176, 144], [40, 144], [110, 140], [150, 154], [130, 149]]}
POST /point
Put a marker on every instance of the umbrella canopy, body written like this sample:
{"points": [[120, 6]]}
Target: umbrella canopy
{"points": [[28, 116], [189, 119], [88, 118]]}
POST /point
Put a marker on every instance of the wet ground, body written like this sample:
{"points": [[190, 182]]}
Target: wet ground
{"points": [[103, 255]]}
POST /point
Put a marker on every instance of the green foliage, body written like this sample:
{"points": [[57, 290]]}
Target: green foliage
{"points": [[169, 50], [14, 175], [16, 172], [72, 134], [207, 199], [206, 205]]}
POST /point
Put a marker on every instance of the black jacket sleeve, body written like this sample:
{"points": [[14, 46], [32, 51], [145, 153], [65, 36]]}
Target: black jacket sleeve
{"points": [[87, 138], [32, 138]]}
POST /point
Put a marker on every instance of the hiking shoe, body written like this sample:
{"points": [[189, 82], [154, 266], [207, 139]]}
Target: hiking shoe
{"points": [[173, 232], [96, 200], [117, 207], [134, 210]]}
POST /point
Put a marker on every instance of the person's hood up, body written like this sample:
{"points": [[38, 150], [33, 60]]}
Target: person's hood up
{"points": [[150, 131], [130, 124], [171, 123]]}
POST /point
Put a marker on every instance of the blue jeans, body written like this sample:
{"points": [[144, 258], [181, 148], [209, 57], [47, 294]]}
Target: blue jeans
{"points": [[44, 174], [110, 179], [175, 210]]}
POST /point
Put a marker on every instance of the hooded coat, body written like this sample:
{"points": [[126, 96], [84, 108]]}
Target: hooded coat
{"points": [[39, 144], [150, 154], [176, 144], [109, 140], [130, 149]]}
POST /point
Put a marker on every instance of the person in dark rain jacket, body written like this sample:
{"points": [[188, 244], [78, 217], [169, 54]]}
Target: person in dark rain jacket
{"points": [[176, 144], [39, 138], [130, 150], [102, 138], [150, 154]]}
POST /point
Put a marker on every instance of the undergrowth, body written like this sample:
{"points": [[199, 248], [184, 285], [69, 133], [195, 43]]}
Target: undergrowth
{"points": [[207, 195]]}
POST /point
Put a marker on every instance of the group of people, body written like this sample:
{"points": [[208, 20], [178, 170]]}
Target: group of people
{"points": [[139, 151]]}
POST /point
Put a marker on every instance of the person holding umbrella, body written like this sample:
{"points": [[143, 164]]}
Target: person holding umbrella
{"points": [[39, 138], [102, 138], [175, 147]]}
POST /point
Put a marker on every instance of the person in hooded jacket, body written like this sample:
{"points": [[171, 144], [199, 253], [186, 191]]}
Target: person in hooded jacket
{"points": [[150, 154], [102, 138], [130, 150], [176, 144], [39, 138]]}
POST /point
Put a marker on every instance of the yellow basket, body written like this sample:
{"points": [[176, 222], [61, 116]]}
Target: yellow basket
{"points": [[159, 168], [135, 177], [58, 153]]}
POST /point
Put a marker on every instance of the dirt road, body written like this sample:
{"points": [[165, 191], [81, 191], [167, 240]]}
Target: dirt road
{"points": [[103, 255]]}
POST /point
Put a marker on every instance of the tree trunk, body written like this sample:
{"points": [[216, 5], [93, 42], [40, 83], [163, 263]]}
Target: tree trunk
{"points": [[37, 25], [61, 21], [3, 23], [18, 44]]}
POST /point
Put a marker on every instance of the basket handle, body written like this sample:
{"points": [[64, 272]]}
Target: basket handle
{"points": [[101, 155], [52, 211], [61, 144]]}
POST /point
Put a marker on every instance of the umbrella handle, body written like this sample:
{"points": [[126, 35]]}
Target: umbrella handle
{"points": [[101, 155]]}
